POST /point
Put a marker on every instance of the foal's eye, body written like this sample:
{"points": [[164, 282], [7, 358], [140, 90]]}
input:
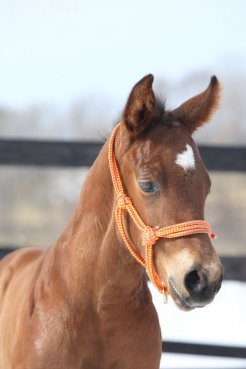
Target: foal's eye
{"points": [[148, 186]]}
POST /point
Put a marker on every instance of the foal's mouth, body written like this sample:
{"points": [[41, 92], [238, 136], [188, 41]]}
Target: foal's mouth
{"points": [[178, 299]]}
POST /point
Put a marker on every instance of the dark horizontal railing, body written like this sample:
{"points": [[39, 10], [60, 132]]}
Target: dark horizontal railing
{"points": [[204, 349], [75, 153], [48, 153]]}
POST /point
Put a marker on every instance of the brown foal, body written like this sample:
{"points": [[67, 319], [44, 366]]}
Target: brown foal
{"points": [[84, 303]]}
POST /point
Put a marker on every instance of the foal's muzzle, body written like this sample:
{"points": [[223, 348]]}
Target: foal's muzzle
{"points": [[199, 290]]}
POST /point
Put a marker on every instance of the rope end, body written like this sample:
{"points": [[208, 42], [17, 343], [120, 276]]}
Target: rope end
{"points": [[213, 235], [164, 294]]}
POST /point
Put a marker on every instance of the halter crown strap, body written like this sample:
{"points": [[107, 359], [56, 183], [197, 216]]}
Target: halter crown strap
{"points": [[149, 235]]}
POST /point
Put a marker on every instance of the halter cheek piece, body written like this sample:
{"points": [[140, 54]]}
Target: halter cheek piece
{"points": [[149, 235]]}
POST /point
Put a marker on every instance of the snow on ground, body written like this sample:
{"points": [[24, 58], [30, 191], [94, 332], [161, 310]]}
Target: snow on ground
{"points": [[223, 322]]}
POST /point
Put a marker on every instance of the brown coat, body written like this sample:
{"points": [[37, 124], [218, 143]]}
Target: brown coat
{"points": [[84, 303]]}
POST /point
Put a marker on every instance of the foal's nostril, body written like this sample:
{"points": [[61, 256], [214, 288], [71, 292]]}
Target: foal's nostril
{"points": [[195, 281]]}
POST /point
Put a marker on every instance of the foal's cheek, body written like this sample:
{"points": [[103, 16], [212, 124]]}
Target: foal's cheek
{"points": [[160, 260]]}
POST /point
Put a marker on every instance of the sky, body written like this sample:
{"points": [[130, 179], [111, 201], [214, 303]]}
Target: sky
{"points": [[101, 48]]}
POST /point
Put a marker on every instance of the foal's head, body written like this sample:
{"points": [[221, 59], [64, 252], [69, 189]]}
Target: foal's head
{"points": [[165, 177]]}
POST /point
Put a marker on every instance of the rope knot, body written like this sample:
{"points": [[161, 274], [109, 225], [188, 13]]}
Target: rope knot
{"points": [[149, 236], [123, 201]]}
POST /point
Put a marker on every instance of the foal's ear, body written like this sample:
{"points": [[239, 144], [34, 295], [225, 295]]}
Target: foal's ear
{"points": [[200, 108], [140, 106]]}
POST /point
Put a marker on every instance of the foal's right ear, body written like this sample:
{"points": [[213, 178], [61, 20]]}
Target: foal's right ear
{"points": [[200, 108], [140, 106]]}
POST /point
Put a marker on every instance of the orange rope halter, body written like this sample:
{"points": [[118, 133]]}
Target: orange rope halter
{"points": [[150, 235]]}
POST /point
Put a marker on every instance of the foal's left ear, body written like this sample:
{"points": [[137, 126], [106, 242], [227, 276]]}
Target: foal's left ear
{"points": [[200, 108], [140, 106]]}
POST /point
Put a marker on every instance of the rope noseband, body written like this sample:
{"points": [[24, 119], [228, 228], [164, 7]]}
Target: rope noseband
{"points": [[149, 235]]}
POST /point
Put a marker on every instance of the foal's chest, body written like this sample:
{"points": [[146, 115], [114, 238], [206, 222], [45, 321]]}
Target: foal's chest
{"points": [[126, 340]]}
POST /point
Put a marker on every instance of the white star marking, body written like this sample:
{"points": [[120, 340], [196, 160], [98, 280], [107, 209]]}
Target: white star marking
{"points": [[186, 159]]}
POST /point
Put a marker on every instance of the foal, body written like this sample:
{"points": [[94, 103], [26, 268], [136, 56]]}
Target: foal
{"points": [[84, 303]]}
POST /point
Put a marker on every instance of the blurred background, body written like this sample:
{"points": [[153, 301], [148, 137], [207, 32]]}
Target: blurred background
{"points": [[66, 69]]}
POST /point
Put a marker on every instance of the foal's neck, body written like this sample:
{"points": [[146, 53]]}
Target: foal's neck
{"points": [[96, 257]]}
